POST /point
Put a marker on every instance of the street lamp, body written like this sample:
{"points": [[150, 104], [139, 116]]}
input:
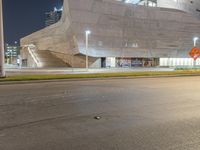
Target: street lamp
{"points": [[2, 71], [195, 39], [87, 33]]}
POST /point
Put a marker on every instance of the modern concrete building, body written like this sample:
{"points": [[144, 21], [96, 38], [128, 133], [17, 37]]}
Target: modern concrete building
{"points": [[124, 33]]}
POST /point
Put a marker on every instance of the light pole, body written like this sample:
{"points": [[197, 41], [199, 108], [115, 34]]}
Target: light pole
{"points": [[87, 33], [195, 39], [2, 71]]}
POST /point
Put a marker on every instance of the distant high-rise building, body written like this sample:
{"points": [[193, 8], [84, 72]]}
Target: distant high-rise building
{"points": [[53, 16], [12, 53]]}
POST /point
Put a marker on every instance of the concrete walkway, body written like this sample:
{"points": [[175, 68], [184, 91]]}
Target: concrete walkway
{"points": [[31, 71]]}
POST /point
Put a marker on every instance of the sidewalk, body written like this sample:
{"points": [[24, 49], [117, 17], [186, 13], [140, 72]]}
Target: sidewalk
{"points": [[32, 71], [91, 75]]}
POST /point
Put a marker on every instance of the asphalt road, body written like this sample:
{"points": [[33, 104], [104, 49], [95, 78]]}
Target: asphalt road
{"points": [[137, 114]]}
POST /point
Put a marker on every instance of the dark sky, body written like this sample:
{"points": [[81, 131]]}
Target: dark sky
{"points": [[22, 17]]}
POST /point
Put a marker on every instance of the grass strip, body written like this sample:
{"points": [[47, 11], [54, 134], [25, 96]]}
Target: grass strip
{"points": [[97, 75]]}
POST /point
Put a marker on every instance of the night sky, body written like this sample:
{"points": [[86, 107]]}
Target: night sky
{"points": [[22, 17]]}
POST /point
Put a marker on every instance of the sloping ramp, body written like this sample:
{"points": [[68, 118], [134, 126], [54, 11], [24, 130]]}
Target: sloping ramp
{"points": [[48, 60]]}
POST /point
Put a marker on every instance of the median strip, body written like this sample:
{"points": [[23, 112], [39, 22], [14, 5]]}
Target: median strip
{"points": [[98, 75]]}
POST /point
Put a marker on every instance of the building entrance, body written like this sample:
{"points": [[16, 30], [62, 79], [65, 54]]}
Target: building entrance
{"points": [[137, 62], [103, 62]]}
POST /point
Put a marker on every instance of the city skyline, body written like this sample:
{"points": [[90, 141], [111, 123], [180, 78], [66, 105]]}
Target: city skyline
{"points": [[23, 17]]}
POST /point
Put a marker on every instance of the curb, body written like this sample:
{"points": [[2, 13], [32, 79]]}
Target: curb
{"points": [[93, 79]]}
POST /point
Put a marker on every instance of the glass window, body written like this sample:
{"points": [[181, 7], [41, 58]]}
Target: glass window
{"points": [[150, 3]]}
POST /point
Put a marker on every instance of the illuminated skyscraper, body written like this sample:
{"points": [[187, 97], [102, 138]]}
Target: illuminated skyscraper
{"points": [[53, 16]]}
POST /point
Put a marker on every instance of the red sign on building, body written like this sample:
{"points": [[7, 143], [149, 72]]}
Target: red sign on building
{"points": [[194, 53]]}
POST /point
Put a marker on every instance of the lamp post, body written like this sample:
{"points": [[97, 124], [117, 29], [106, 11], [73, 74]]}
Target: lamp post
{"points": [[195, 39], [87, 33], [2, 71]]}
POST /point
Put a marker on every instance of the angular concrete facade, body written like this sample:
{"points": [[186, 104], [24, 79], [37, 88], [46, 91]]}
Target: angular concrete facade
{"points": [[120, 30]]}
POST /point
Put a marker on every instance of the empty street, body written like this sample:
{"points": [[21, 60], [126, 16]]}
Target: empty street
{"points": [[131, 114]]}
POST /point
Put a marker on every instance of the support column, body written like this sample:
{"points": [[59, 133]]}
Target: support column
{"points": [[2, 71]]}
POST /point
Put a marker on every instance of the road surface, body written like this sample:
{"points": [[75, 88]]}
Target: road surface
{"points": [[136, 114]]}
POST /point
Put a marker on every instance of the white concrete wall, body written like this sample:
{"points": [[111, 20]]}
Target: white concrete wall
{"points": [[189, 6], [111, 62], [172, 62]]}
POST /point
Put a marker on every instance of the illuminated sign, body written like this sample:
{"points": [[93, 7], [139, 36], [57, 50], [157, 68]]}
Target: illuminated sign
{"points": [[194, 53]]}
